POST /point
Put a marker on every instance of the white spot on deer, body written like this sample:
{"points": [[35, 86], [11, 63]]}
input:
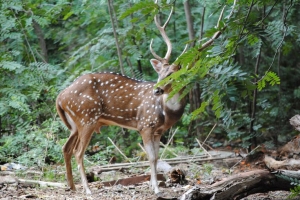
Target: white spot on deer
{"points": [[90, 81]]}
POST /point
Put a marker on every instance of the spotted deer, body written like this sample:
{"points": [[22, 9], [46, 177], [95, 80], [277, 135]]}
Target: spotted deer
{"points": [[102, 99]]}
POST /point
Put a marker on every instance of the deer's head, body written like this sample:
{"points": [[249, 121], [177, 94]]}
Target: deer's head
{"points": [[163, 71], [161, 65]]}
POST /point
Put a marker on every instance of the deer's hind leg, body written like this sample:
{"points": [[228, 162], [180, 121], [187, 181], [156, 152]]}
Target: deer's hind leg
{"points": [[68, 151], [84, 136]]}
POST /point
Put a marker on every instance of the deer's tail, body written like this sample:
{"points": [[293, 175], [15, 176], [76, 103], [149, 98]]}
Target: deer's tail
{"points": [[62, 113]]}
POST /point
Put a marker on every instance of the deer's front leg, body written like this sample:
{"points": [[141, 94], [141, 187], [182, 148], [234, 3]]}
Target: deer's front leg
{"points": [[151, 144]]}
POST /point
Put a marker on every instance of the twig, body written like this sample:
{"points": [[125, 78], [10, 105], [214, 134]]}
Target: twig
{"points": [[168, 143], [119, 150], [169, 149], [210, 132], [231, 12], [203, 148], [220, 17], [142, 148]]}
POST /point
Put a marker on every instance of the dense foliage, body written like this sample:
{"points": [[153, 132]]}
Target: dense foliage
{"points": [[247, 79]]}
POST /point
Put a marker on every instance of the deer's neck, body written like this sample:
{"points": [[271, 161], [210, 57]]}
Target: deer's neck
{"points": [[173, 109], [173, 103]]}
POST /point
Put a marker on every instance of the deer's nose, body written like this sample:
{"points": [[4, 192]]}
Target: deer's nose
{"points": [[158, 91]]}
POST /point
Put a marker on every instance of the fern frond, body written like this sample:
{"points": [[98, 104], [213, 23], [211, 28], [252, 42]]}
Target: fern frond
{"points": [[12, 66], [271, 78], [195, 114], [145, 6]]}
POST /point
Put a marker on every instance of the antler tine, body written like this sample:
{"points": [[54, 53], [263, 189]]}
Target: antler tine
{"points": [[165, 37], [153, 53]]}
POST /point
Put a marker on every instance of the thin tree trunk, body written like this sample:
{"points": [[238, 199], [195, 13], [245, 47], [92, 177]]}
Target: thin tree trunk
{"points": [[194, 95], [254, 101], [189, 20], [114, 26], [38, 31], [139, 63], [253, 106], [202, 24], [0, 126]]}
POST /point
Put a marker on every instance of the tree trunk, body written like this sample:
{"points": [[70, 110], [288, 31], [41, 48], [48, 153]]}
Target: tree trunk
{"points": [[114, 26], [38, 31], [239, 186], [194, 95]]}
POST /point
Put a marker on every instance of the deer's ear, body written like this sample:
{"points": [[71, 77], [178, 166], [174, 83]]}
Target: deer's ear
{"points": [[156, 64]]}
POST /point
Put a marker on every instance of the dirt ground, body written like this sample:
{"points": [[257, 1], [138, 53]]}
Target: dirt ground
{"points": [[196, 174], [112, 193]]}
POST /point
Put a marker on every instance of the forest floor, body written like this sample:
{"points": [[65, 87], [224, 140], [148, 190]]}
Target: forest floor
{"points": [[196, 174]]}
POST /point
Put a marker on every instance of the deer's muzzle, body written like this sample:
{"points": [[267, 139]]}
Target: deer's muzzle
{"points": [[158, 91]]}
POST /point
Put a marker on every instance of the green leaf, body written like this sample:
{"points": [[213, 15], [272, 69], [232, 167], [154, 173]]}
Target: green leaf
{"points": [[271, 78]]}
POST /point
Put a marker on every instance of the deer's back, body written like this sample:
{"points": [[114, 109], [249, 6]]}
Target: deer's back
{"points": [[112, 99]]}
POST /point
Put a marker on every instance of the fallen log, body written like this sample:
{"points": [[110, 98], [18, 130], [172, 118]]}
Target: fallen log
{"points": [[285, 164], [290, 173], [132, 180], [42, 183], [238, 186], [216, 155]]}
